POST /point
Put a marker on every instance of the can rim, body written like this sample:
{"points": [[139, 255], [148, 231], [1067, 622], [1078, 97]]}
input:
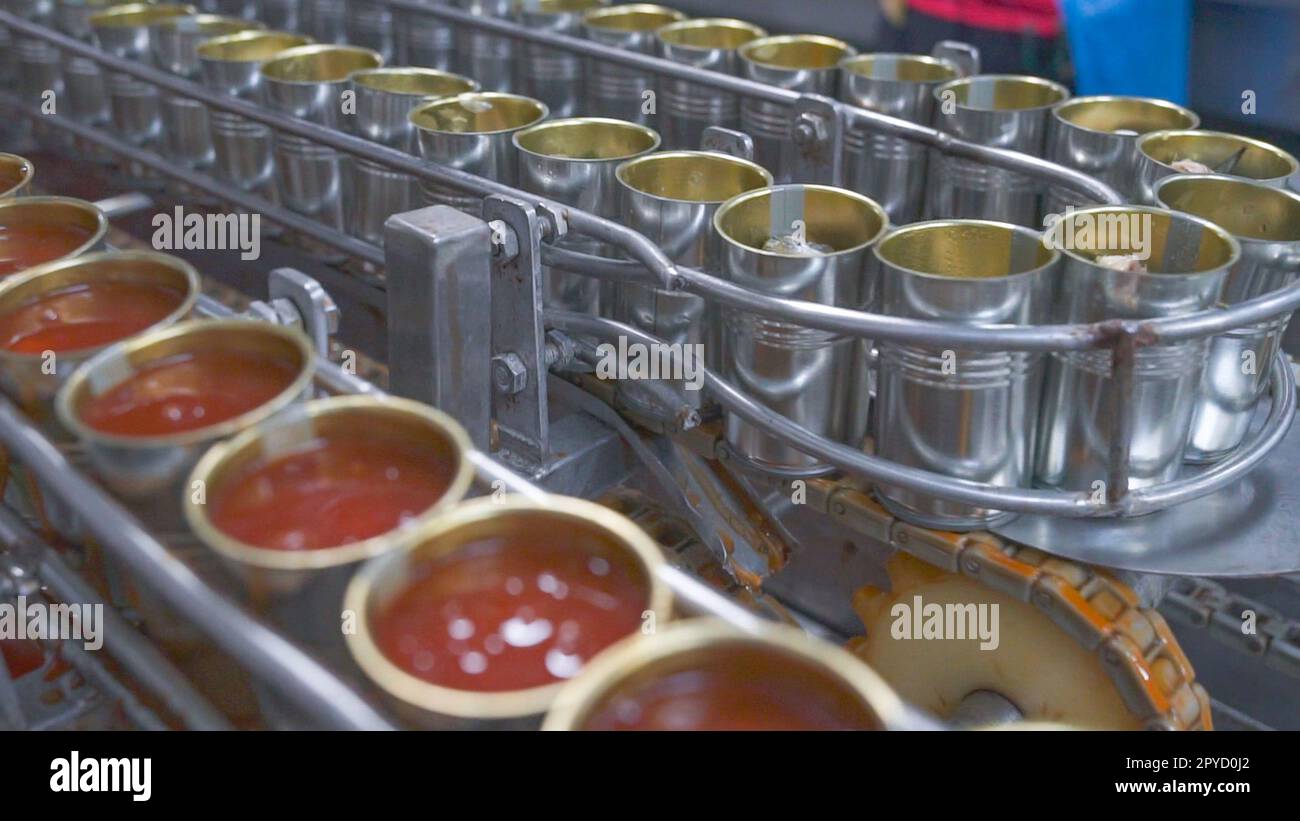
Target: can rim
{"points": [[201, 19], [1154, 102], [1026, 79], [96, 237], [542, 110], [28, 170], [924, 225], [363, 77], [1234, 247], [1263, 188], [626, 125], [738, 200], [708, 22], [847, 65], [846, 51], [207, 47], [1198, 133], [270, 68], [621, 171], [592, 17], [119, 16]]}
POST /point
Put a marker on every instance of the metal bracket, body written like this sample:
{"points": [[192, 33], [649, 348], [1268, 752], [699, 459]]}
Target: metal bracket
{"points": [[317, 310], [518, 335], [816, 150], [728, 141], [964, 56]]}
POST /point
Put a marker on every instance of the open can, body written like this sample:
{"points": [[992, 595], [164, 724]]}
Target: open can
{"points": [[38, 230], [16, 175], [553, 76], [685, 109], [1165, 153], [621, 91]]}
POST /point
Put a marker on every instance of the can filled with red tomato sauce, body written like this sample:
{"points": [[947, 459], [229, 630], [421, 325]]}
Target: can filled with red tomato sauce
{"points": [[36, 230], [704, 674], [482, 618]]}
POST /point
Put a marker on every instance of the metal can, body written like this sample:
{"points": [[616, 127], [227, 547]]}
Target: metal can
{"points": [[685, 109], [126, 31], [1165, 153], [86, 228], [385, 98], [308, 82], [1000, 110], [325, 21], [961, 413], [551, 75], [370, 25], [86, 97], [806, 63], [16, 175], [573, 162], [186, 129], [424, 40], [242, 149], [1266, 221], [1186, 260], [807, 242], [474, 133], [671, 198], [1098, 136], [37, 66], [488, 58], [494, 530], [891, 170], [620, 91]]}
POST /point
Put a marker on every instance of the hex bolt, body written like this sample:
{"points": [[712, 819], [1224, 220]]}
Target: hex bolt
{"points": [[509, 375], [808, 129], [505, 245]]}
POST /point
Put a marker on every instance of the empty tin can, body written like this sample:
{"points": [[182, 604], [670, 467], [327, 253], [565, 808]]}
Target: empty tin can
{"points": [[126, 31], [1098, 136], [325, 21], [242, 149], [186, 129], [620, 91], [1165, 153], [573, 162], [86, 96], [999, 110], [370, 25], [308, 83], [37, 65], [891, 170], [385, 98], [1266, 221], [671, 198], [551, 75], [488, 58], [961, 413], [473, 132], [15, 175], [685, 109], [806, 242], [806, 63], [1169, 264], [424, 40]]}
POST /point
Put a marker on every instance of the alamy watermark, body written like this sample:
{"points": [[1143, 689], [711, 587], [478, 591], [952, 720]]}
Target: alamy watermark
{"points": [[953, 621], [181, 231], [40, 621], [1123, 234], [680, 361]]}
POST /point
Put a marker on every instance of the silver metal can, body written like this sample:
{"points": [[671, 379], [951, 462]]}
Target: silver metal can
{"points": [[807, 63], [385, 98], [1266, 221], [685, 109], [962, 413], [1186, 260], [1165, 153], [242, 149], [37, 66], [573, 162], [891, 170], [325, 21], [370, 25], [671, 197], [488, 58], [619, 91], [551, 75], [308, 83], [808, 242], [423, 40], [1098, 136], [999, 110], [126, 31], [85, 95], [473, 133]]}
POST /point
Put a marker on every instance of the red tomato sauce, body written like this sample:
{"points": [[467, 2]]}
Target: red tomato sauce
{"points": [[86, 315], [511, 612], [732, 690], [331, 492], [24, 246], [21, 656], [188, 392]]}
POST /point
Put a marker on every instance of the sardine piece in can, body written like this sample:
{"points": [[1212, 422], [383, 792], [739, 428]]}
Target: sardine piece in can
{"points": [[1162, 154]]}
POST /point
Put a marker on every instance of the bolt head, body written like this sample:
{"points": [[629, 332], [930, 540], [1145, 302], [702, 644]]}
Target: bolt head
{"points": [[509, 375]]}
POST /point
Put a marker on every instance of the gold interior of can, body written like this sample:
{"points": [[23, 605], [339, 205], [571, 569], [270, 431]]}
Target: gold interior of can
{"points": [[142, 267], [319, 64], [905, 68], [418, 428], [717, 32], [564, 6], [796, 51], [705, 645], [588, 138], [479, 113], [961, 249], [692, 176], [1259, 160], [250, 46], [833, 217], [423, 82], [1126, 226], [1134, 114], [1244, 209], [15, 173], [633, 17], [139, 14], [44, 211], [213, 25], [1007, 93], [584, 525]]}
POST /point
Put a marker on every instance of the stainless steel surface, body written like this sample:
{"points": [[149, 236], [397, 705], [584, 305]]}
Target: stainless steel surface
{"points": [[812, 243], [1188, 260], [126, 31], [1266, 222], [488, 58], [424, 41], [1158, 151], [891, 170], [615, 90], [1001, 111], [551, 75], [684, 108], [967, 414], [325, 21], [370, 25]]}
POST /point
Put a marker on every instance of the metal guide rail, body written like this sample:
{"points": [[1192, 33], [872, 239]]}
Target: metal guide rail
{"points": [[647, 262]]}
